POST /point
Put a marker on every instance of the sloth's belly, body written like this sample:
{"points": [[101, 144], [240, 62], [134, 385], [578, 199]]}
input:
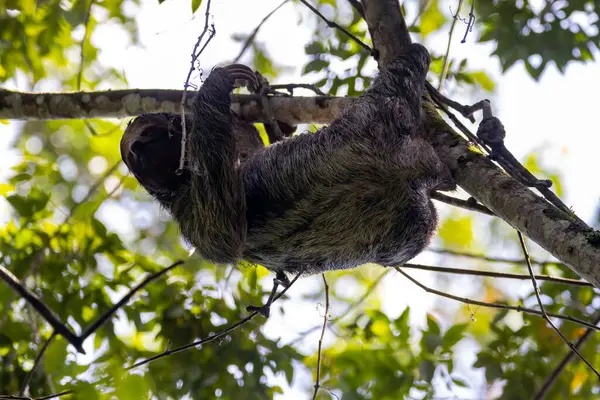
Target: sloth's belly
{"points": [[320, 233]]}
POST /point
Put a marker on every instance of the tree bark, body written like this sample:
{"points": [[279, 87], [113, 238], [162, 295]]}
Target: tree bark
{"points": [[575, 244], [132, 102]]}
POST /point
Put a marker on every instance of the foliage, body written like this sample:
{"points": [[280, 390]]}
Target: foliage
{"points": [[555, 32], [64, 190]]}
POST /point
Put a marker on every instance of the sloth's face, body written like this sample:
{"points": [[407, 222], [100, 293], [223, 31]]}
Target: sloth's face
{"points": [[150, 148]]}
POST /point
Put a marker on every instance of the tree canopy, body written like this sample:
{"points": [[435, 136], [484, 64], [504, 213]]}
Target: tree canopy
{"points": [[67, 197]]}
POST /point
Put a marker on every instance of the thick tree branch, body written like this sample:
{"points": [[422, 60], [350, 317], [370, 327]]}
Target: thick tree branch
{"points": [[132, 102], [556, 231], [387, 27]]}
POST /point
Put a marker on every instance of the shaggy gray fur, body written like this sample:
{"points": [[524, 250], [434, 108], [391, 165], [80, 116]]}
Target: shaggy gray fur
{"points": [[354, 192]]}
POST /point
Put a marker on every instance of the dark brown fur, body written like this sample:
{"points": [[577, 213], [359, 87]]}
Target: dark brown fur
{"points": [[354, 192]]}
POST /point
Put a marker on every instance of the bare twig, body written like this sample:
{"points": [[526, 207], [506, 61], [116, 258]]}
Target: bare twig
{"points": [[195, 54], [541, 394], [504, 275], [319, 351], [214, 336], [495, 259], [358, 7], [447, 54], [36, 362], [86, 35], [333, 24], [61, 328], [536, 290], [350, 307], [104, 317], [422, 7], [92, 190], [496, 305], [42, 309], [54, 396], [252, 36], [466, 204]]}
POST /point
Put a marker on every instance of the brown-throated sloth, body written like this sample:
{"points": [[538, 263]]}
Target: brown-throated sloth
{"points": [[354, 192]]}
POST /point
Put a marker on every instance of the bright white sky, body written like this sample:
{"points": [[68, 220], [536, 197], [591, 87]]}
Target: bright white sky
{"points": [[559, 114]]}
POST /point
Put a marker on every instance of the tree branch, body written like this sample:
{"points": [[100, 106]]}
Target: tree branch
{"points": [[500, 306], [543, 391], [133, 102], [556, 231], [491, 274]]}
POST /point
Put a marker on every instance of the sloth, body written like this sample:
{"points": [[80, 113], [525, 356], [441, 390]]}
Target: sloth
{"points": [[354, 192]]}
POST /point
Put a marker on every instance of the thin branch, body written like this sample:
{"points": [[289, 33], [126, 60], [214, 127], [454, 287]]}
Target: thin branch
{"points": [[496, 305], [86, 24], [333, 24], [351, 307], [41, 308], [319, 351], [54, 396], [92, 190], [504, 275], [212, 337], [541, 394], [495, 259], [52, 319], [252, 36], [358, 7], [36, 362], [422, 7], [104, 317], [195, 55], [466, 204], [447, 54], [536, 290]]}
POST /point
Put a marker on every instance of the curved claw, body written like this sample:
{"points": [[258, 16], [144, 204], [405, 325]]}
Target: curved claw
{"points": [[240, 72]]}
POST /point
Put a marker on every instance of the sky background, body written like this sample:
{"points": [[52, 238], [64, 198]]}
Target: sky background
{"points": [[556, 117]]}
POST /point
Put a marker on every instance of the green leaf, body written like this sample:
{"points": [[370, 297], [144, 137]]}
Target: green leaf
{"points": [[432, 19], [426, 370], [132, 387], [315, 66], [457, 231], [432, 325], [459, 382], [315, 47], [453, 335], [28, 206], [6, 188], [195, 5], [401, 324], [483, 80], [56, 354]]}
